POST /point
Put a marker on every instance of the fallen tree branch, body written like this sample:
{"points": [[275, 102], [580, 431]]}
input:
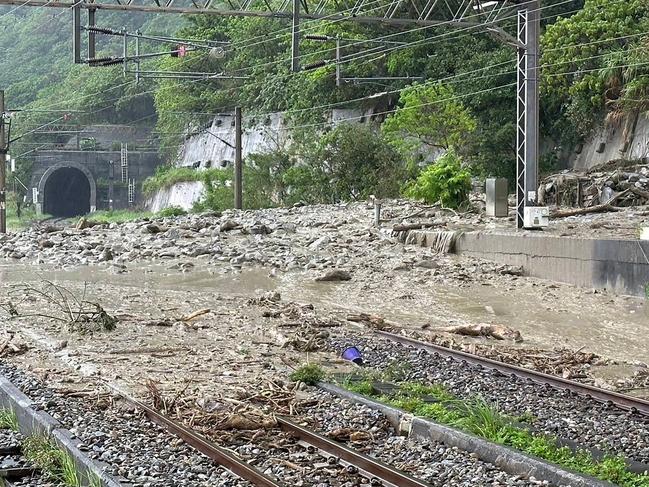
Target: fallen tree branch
{"points": [[608, 206], [499, 332]]}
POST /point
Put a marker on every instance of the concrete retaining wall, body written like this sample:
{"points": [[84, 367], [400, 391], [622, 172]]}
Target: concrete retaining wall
{"points": [[31, 421], [183, 195], [621, 266]]}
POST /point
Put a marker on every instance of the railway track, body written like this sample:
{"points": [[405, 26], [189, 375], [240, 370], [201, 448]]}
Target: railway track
{"points": [[624, 402], [15, 469], [337, 457]]}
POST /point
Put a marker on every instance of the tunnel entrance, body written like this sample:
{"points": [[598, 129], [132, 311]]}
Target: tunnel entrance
{"points": [[67, 193]]}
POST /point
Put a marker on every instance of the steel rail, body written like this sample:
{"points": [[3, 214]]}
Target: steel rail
{"points": [[367, 465], [622, 401], [207, 448]]}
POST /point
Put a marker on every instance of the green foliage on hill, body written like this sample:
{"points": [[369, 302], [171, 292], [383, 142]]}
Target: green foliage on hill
{"points": [[585, 60], [594, 64]]}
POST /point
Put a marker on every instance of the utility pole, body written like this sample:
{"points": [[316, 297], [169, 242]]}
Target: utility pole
{"points": [[295, 45], [76, 35], [3, 166], [527, 101], [111, 183], [338, 77], [238, 162], [92, 36]]}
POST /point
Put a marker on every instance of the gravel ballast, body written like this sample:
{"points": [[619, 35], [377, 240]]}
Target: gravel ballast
{"points": [[560, 413], [139, 453]]}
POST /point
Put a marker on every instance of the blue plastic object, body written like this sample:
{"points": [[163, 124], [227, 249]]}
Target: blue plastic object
{"points": [[353, 354]]}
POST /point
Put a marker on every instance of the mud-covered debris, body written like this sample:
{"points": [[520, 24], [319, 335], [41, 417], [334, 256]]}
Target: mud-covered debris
{"points": [[499, 332], [335, 275], [228, 225]]}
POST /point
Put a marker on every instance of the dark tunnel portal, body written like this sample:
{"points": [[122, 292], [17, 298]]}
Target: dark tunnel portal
{"points": [[67, 193]]}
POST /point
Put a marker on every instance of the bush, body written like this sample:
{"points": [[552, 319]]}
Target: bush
{"points": [[351, 162], [218, 191], [444, 181], [310, 374], [166, 176], [171, 211]]}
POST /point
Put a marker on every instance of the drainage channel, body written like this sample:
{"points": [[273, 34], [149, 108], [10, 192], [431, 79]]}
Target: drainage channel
{"points": [[375, 472]]}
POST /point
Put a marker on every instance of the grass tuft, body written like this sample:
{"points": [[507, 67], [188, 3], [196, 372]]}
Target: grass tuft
{"points": [[8, 420], [56, 463], [479, 417], [117, 216], [309, 374]]}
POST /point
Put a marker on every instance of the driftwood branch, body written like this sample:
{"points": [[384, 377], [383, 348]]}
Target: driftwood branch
{"points": [[608, 206], [413, 226]]}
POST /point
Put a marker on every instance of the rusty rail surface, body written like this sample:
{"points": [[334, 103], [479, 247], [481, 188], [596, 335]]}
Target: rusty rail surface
{"points": [[366, 465], [622, 401], [220, 455]]}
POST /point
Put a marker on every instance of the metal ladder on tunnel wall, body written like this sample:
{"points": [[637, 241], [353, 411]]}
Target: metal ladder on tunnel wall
{"points": [[131, 191], [124, 158]]}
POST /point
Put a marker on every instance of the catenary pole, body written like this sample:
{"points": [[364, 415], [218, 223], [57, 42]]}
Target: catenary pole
{"points": [[238, 162], [3, 166]]}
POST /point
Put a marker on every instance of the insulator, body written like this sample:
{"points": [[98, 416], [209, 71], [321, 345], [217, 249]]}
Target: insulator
{"points": [[317, 64], [316, 37], [103, 30]]}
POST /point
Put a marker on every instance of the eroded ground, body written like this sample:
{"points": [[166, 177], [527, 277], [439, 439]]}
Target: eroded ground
{"points": [[152, 273]]}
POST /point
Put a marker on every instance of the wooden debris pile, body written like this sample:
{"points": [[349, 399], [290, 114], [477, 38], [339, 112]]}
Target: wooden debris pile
{"points": [[606, 187], [308, 330], [563, 362], [9, 346]]}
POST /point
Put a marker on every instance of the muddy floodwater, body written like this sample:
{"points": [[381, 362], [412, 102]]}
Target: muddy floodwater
{"points": [[547, 315]]}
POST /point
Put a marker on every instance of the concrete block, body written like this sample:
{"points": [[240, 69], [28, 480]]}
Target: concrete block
{"points": [[617, 265]]}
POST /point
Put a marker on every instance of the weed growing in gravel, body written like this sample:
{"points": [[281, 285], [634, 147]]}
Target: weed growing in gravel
{"points": [[8, 420], [94, 480], [527, 418], [57, 464], [482, 419], [309, 374]]}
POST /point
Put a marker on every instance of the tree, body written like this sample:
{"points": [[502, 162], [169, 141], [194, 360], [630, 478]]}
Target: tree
{"points": [[429, 117], [351, 162], [582, 59]]}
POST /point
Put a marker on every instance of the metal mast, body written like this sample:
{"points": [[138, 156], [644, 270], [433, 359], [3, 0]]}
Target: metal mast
{"points": [[527, 101]]}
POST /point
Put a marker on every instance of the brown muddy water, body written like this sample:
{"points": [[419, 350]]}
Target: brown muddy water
{"points": [[546, 314]]}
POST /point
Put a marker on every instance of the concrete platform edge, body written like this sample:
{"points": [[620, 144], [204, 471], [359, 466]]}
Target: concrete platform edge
{"points": [[33, 422], [507, 459], [617, 265]]}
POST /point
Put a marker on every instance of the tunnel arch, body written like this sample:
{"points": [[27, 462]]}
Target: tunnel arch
{"points": [[67, 189]]}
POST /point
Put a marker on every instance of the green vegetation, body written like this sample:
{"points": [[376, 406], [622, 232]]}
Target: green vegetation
{"points": [[118, 216], [8, 419], [429, 117], [585, 80], [310, 374], [171, 211], [478, 417], [471, 111], [446, 181], [56, 463], [166, 176]]}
